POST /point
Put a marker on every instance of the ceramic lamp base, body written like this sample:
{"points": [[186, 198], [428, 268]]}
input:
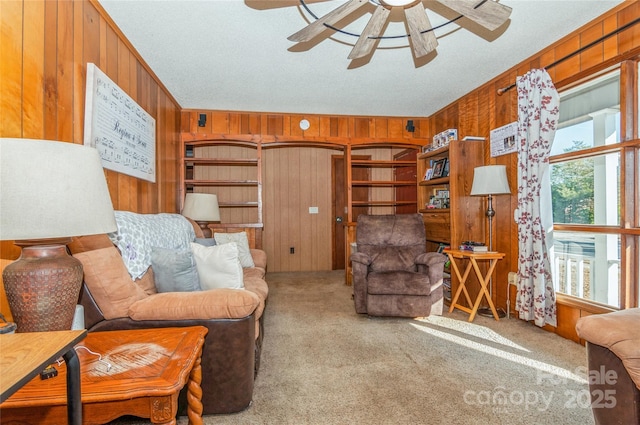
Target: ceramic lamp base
{"points": [[42, 288]]}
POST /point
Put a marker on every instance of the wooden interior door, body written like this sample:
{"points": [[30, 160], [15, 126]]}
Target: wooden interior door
{"points": [[339, 203]]}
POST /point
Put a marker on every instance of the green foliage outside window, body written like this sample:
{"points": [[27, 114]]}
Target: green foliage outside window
{"points": [[572, 189]]}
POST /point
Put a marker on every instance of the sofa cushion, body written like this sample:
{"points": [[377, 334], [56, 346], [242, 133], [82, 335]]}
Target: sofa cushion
{"points": [[398, 283], [218, 266], [240, 238], [147, 282], [619, 332], [109, 281], [210, 304], [174, 270], [256, 285], [259, 259]]}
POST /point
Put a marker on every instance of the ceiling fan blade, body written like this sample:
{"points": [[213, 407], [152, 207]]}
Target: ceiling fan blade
{"points": [[367, 39], [487, 13], [316, 27], [418, 21]]}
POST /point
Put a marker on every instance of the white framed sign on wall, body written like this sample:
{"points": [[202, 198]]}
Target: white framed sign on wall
{"points": [[122, 131]]}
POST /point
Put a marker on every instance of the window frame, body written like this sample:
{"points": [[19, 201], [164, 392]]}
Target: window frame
{"points": [[629, 228]]}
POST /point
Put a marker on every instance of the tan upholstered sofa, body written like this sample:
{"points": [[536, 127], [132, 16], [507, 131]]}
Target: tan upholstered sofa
{"points": [[112, 300], [613, 356]]}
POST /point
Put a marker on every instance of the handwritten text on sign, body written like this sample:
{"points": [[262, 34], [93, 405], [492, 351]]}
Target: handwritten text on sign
{"points": [[123, 132]]}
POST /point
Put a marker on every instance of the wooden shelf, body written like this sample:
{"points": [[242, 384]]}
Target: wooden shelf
{"points": [[434, 182], [205, 166], [222, 161], [434, 210], [382, 203], [381, 183], [221, 182], [464, 219], [381, 164], [238, 204]]}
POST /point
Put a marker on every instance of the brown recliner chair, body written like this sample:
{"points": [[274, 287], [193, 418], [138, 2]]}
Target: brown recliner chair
{"points": [[613, 356], [393, 275]]}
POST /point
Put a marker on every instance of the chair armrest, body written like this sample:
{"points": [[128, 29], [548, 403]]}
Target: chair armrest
{"points": [[432, 264], [431, 259], [360, 269], [360, 257]]}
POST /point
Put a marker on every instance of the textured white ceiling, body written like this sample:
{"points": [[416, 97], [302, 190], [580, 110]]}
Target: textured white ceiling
{"points": [[234, 54]]}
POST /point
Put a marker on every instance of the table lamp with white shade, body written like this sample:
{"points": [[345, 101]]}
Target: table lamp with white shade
{"points": [[203, 209], [490, 180], [49, 192]]}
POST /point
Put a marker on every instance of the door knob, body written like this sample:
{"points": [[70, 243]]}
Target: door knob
{"points": [[338, 219]]}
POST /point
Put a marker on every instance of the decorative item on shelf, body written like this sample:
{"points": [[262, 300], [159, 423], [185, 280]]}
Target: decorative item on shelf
{"points": [[438, 168], [49, 192], [490, 180], [445, 137], [203, 209], [428, 174]]}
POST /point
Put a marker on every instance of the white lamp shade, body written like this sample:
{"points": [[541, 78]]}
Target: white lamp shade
{"points": [[201, 207], [490, 180], [52, 190]]}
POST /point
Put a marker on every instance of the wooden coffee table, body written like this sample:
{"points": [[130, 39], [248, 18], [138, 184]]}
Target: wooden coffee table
{"points": [[137, 372]]}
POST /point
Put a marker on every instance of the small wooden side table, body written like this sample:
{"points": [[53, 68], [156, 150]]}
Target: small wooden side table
{"points": [[135, 372], [473, 258], [24, 355]]}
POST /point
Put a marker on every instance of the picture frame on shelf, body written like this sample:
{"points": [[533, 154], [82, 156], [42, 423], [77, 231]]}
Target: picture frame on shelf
{"points": [[442, 193], [428, 174], [438, 168]]}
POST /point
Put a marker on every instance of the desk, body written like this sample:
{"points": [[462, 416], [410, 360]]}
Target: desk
{"points": [[473, 258], [140, 373], [24, 355]]}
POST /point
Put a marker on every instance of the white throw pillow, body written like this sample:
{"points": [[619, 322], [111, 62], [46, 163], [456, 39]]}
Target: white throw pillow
{"points": [[218, 266], [243, 245]]}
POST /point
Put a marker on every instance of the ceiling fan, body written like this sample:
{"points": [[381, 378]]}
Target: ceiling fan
{"points": [[486, 13]]}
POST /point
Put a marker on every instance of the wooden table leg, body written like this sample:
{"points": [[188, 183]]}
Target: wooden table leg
{"points": [[194, 393], [461, 286], [484, 281]]}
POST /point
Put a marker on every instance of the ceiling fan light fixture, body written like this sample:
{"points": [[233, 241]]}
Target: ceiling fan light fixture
{"points": [[399, 3], [487, 13]]}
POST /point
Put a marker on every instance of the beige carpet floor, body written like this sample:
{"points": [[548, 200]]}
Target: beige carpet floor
{"points": [[324, 364]]}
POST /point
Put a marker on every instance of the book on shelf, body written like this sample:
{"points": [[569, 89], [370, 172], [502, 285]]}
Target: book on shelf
{"points": [[473, 246]]}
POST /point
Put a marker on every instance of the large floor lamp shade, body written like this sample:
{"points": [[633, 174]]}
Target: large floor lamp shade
{"points": [[49, 192], [202, 208], [490, 180]]}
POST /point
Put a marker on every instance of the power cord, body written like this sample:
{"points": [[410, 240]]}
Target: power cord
{"points": [[107, 364]]}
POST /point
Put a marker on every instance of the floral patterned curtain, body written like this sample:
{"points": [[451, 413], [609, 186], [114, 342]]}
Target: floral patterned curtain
{"points": [[538, 112]]}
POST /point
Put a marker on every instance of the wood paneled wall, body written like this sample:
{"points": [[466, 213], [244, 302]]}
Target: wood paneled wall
{"points": [[483, 109], [296, 178], [44, 48]]}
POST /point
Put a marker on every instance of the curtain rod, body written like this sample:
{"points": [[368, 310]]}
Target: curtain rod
{"points": [[580, 50]]}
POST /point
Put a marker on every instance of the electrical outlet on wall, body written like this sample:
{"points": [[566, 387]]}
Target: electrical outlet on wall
{"points": [[513, 278]]}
